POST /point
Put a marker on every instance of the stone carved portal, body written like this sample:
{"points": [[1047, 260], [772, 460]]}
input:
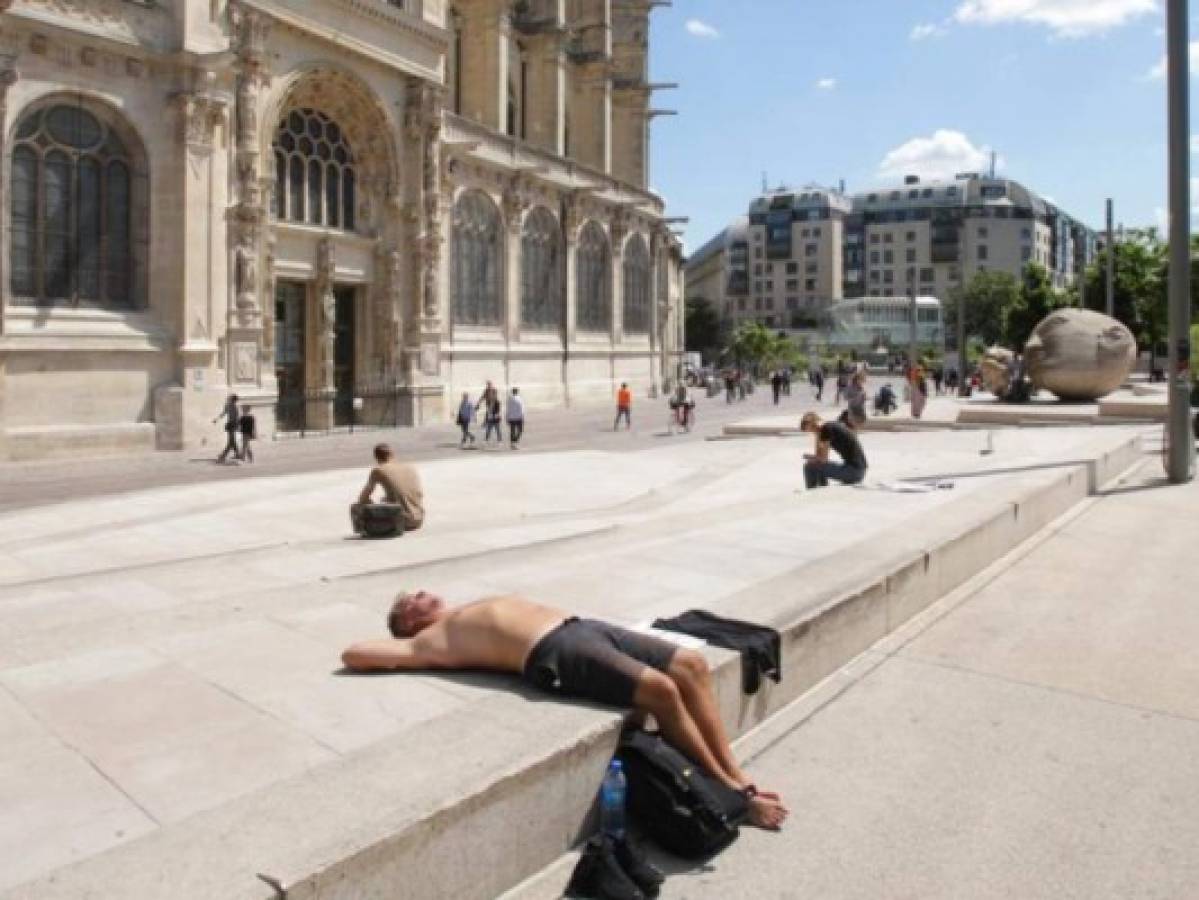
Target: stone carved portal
{"points": [[358, 115]]}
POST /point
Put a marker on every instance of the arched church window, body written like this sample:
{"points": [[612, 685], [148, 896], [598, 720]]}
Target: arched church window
{"points": [[636, 286], [541, 300], [73, 206], [594, 267], [314, 171], [476, 261]]}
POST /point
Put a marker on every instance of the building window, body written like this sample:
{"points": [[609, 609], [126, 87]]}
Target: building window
{"points": [[541, 260], [792, 268], [757, 252], [1026, 234], [793, 284], [874, 257], [911, 236], [77, 190], [982, 251], [810, 249], [911, 255], [314, 171], [888, 257], [811, 268], [888, 237], [757, 268], [874, 238], [1025, 254], [477, 260], [874, 276], [809, 284], [982, 231], [769, 285], [594, 273], [804, 233], [888, 276], [636, 286], [815, 232], [926, 275]]}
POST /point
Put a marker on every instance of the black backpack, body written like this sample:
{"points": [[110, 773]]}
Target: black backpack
{"points": [[679, 806]]}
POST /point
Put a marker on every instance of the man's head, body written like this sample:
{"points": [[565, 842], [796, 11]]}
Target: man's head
{"points": [[515, 391], [245, 409], [810, 422], [382, 453], [413, 612]]}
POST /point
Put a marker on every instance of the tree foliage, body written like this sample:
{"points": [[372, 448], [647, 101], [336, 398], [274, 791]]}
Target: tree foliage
{"points": [[702, 326], [1142, 277], [986, 297], [1037, 299]]}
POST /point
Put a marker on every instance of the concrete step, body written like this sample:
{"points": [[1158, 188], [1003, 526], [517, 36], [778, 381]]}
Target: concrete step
{"points": [[474, 801]]}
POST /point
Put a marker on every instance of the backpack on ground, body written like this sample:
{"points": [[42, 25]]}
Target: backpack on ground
{"points": [[678, 805]]}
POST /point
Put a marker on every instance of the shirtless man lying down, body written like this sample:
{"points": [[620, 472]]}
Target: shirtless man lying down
{"points": [[573, 657]]}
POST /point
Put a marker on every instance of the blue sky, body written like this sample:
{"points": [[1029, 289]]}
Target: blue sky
{"points": [[822, 90]]}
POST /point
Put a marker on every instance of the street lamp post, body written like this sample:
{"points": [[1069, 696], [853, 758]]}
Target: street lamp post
{"points": [[1181, 458], [912, 338]]}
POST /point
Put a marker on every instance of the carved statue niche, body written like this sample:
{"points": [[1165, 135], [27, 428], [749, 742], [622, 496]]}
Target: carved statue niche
{"points": [[246, 272]]}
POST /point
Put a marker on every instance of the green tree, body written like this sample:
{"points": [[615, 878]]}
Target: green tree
{"points": [[751, 344], [702, 326], [988, 296], [1038, 299], [1140, 270]]}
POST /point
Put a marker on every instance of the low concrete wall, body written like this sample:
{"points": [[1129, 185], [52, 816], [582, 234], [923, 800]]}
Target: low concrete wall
{"points": [[473, 803]]}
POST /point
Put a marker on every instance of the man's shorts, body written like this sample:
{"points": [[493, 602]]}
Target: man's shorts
{"points": [[594, 660]]}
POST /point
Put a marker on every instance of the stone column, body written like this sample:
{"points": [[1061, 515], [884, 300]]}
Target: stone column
{"points": [[655, 337], [425, 210], [8, 77], [322, 386], [546, 93], [570, 240], [618, 231], [181, 410], [515, 203], [483, 64], [250, 357]]}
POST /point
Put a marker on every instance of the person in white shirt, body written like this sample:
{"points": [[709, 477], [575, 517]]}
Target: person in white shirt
{"points": [[514, 412]]}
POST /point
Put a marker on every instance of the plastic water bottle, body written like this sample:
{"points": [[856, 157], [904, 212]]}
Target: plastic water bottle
{"points": [[612, 796]]}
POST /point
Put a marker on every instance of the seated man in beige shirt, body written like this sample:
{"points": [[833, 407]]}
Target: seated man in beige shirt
{"points": [[402, 498]]}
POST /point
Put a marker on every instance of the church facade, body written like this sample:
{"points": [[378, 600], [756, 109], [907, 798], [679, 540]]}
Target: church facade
{"points": [[343, 211]]}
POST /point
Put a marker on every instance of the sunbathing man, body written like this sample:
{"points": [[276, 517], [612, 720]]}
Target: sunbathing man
{"points": [[563, 654]]}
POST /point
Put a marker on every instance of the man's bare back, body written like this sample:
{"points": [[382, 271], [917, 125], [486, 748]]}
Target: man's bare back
{"points": [[494, 633]]}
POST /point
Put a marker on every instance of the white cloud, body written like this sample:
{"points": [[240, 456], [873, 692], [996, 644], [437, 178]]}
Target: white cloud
{"points": [[826, 84], [699, 29], [1195, 143], [1067, 18], [927, 30], [943, 155], [1158, 72]]}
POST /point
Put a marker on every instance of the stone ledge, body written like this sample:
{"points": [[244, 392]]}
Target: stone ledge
{"points": [[474, 801], [71, 441]]}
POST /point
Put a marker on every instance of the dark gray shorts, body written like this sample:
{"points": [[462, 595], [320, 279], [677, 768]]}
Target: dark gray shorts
{"points": [[595, 661]]}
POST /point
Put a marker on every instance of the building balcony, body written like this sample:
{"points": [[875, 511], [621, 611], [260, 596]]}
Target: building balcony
{"points": [[466, 138]]}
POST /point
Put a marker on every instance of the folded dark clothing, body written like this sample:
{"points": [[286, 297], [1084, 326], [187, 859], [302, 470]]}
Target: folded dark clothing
{"points": [[760, 647]]}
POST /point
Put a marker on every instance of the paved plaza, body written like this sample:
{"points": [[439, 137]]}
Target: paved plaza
{"points": [[171, 653]]}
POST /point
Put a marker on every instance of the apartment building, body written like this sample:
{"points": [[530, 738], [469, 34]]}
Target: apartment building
{"points": [[798, 252]]}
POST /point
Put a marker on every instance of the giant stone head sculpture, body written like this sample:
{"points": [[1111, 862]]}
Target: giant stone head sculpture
{"points": [[1079, 355]]}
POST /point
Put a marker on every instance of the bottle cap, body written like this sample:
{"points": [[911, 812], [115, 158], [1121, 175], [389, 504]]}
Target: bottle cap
{"points": [[616, 765]]}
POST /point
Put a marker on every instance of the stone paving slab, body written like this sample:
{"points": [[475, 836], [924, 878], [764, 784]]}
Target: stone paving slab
{"points": [[189, 685]]}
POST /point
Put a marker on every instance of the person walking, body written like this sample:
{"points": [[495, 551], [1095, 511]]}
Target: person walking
{"points": [[466, 415], [491, 419], [776, 386], [515, 414], [919, 388], [624, 407], [730, 387], [818, 383], [938, 377], [231, 415], [249, 432], [855, 394]]}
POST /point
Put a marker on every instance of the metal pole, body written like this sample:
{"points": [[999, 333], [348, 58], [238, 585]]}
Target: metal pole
{"points": [[962, 342], [1180, 463], [1111, 262], [912, 338]]}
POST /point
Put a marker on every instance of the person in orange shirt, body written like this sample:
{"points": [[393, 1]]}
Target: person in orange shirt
{"points": [[624, 407]]}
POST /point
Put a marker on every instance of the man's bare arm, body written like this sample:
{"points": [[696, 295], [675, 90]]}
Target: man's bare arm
{"points": [[390, 655], [371, 482]]}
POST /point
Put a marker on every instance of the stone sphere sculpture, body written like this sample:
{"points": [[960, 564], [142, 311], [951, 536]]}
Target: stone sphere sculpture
{"points": [[996, 368], [1079, 355]]}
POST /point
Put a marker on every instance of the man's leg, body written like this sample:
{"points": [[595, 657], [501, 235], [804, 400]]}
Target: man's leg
{"points": [[836, 471], [659, 695], [812, 476]]}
